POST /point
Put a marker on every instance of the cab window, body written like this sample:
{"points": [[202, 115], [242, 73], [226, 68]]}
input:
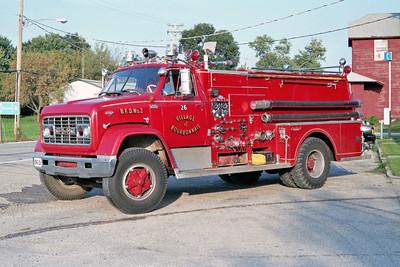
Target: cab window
{"points": [[173, 83]]}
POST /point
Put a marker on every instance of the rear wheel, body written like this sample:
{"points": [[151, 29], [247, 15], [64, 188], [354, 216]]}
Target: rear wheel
{"points": [[139, 183], [286, 178], [63, 188], [313, 162], [241, 178]]}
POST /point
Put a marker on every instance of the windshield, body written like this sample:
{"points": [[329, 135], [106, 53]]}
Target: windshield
{"points": [[138, 81]]}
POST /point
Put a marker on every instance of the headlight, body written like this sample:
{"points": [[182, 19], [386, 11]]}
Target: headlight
{"points": [[83, 131], [47, 131]]}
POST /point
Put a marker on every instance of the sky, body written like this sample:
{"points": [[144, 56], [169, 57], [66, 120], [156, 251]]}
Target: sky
{"points": [[136, 21]]}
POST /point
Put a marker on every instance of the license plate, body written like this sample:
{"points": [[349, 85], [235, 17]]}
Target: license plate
{"points": [[37, 162]]}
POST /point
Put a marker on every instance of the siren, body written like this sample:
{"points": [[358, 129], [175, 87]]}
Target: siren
{"points": [[147, 54]]}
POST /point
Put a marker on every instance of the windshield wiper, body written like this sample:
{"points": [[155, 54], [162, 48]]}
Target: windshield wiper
{"points": [[110, 93], [131, 91]]}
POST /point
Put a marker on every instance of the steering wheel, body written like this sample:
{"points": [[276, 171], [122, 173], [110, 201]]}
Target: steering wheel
{"points": [[151, 87]]}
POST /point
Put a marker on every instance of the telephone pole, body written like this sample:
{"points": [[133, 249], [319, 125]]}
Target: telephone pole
{"points": [[19, 66], [174, 34]]}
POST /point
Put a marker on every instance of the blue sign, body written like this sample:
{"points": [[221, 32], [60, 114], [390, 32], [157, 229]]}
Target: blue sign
{"points": [[387, 56], [9, 108]]}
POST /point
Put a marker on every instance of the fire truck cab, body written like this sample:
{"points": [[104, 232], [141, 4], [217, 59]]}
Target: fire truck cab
{"points": [[179, 117]]}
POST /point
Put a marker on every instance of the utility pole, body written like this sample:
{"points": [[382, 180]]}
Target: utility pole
{"points": [[173, 32], [390, 97], [19, 64], [82, 60]]}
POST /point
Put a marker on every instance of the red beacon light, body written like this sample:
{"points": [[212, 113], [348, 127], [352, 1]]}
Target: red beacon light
{"points": [[347, 69], [342, 65], [195, 55]]}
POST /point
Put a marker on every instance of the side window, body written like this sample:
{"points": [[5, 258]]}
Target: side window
{"points": [[173, 83]]}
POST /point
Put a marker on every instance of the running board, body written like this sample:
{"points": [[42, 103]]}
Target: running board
{"points": [[225, 170]]}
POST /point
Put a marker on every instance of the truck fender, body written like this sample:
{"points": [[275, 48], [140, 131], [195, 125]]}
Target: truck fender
{"points": [[321, 134], [115, 135]]}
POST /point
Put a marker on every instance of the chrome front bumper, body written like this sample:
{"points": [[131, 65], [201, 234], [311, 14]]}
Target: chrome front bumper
{"points": [[99, 167]]}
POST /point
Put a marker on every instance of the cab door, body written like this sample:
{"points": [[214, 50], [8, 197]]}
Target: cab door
{"points": [[184, 116]]}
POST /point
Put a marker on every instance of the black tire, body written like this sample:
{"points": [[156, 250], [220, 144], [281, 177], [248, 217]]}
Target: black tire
{"points": [[246, 178], [117, 188], [61, 190], [313, 163], [286, 178]]}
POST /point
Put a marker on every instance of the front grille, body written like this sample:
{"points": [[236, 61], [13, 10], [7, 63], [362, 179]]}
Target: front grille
{"points": [[64, 130]]}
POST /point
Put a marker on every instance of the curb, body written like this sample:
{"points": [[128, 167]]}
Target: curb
{"points": [[384, 161]]}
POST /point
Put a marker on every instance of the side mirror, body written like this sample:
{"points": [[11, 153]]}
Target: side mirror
{"points": [[162, 72], [104, 73], [185, 88]]}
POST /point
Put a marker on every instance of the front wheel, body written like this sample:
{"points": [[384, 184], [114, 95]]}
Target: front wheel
{"points": [[63, 188], [139, 183]]}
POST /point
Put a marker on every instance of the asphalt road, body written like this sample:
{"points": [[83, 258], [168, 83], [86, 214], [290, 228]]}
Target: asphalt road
{"points": [[16, 152], [352, 221]]}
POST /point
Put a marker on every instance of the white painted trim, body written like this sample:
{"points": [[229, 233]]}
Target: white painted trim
{"points": [[314, 122]]}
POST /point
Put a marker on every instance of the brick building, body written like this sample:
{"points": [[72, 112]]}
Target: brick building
{"points": [[370, 78]]}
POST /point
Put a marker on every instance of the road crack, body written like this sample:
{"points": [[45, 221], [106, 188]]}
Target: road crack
{"points": [[146, 216]]}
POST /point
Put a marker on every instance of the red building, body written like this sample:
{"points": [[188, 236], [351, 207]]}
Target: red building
{"points": [[370, 80]]}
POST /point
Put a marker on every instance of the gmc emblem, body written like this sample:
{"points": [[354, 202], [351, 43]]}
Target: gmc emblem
{"points": [[65, 130]]}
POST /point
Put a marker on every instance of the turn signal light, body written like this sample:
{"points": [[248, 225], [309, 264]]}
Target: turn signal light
{"points": [[66, 164]]}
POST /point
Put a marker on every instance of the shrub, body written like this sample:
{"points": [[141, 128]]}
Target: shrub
{"points": [[373, 120]]}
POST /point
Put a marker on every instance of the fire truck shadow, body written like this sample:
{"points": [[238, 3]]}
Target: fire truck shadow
{"points": [[208, 185], [32, 194], [337, 170], [213, 184]]}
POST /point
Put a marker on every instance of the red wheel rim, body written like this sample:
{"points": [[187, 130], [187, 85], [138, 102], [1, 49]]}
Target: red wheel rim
{"points": [[310, 163], [138, 182], [315, 164]]}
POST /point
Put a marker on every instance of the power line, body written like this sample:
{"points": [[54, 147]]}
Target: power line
{"points": [[265, 22], [134, 43], [48, 26], [39, 24], [329, 31], [43, 26], [129, 44], [111, 6], [26, 71], [234, 30]]}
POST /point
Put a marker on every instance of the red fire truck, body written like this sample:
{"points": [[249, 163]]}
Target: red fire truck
{"points": [[176, 117]]}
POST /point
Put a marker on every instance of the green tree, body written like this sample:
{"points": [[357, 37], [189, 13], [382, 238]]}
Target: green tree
{"points": [[57, 42], [311, 56], [45, 78], [6, 52], [226, 49], [97, 59], [271, 55], [77, 47]]}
